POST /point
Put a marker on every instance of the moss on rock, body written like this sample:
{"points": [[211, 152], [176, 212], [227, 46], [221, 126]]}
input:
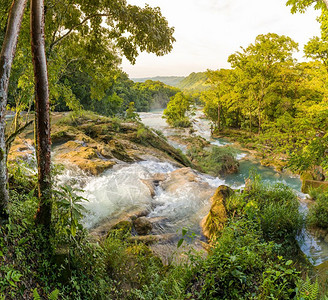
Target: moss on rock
{"points": [[216, 219]]}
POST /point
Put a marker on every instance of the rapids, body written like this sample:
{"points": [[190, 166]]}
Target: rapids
{"points": [[121, 191]]}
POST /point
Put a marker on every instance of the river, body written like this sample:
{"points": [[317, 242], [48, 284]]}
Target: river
{"points": [[121, 191]]}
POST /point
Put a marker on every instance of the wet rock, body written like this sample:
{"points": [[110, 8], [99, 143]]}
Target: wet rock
{"points": [[104, 226], [152, 239], [146, 239], [84, 157], [310, 184], [179, 178], [124, 226], [117, 149], [216, 219], [150, 184], [158, 177], [142, 225]]}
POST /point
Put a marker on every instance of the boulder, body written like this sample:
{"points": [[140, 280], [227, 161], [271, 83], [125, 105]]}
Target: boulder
{"points": [[142, 225], [179, 178], [84, 157], [151, 185], [216, 219], [314, 184], [124, 227]]}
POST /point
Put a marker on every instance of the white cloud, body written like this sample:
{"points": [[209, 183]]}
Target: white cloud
{"points": [[208, 31]]}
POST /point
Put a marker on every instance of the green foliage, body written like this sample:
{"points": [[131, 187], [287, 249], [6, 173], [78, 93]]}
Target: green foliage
{"points": [[138, 273], [276, 209], [69, 209], [215, 160], [308, 290], [154, 93], [84, 47], [267, 92], [302, 5], [131, 112], [177, 109], [243, 266], [313, 154], [243, 263], [52, 296], [172, 81], [318, 211], [22, 177]]}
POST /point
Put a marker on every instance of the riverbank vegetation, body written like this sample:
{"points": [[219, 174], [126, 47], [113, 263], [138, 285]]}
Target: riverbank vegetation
{"points": [[267, 98], [255, 256]]}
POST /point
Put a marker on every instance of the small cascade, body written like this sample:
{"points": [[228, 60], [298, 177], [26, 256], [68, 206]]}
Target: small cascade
{"points": [[316, 248], [173, 198]]}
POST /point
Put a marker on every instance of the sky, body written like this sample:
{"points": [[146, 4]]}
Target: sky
{"points": [[208, 31]]}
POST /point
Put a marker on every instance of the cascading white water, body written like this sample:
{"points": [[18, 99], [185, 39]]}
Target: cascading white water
{"points": [[123, 189]]}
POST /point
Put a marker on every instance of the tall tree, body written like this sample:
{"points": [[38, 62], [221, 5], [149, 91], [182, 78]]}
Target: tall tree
{"points": [[259, 63], [6, 60], [42, 109], [177, 109]]}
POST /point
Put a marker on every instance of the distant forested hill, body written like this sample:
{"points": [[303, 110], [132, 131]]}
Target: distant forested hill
{"points": [[168, 80], [194, 82]]}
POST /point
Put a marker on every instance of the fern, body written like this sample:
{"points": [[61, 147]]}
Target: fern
{"points": [[309, 291], [54, 295], [36, 295]]}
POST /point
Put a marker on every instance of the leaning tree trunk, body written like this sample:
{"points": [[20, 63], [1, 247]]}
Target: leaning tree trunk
{"points": [[43, 216], [6, 59]]}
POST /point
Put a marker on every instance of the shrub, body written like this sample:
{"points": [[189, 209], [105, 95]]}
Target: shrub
{"points": [[215, 160], [277, 210], [318, 212], [243, 266]]}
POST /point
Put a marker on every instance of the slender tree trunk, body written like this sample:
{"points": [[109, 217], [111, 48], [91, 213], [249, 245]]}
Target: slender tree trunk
{"points": [[259, 115], [219, 117], [6, 59], [42, 109]]}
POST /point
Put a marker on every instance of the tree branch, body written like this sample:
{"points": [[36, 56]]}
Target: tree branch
{"points": [[12, 137], [53, 44]]}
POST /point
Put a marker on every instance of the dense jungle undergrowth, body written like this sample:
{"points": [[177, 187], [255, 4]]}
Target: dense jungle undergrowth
{"points": [[255, 255]]}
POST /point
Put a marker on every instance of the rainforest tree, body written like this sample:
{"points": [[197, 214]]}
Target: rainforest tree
{"points": [[177, 109], [259, 64], [6, 59], [42, 109]]}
